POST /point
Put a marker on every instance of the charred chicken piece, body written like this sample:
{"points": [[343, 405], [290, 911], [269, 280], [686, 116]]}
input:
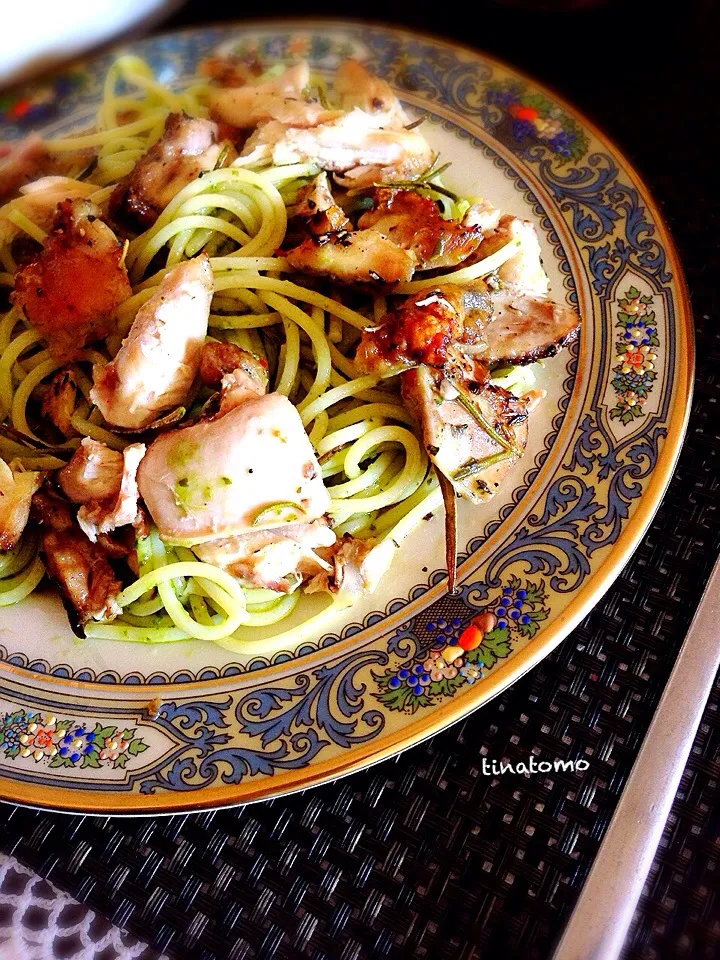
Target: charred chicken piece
{"points": [[59, 399], [80, 568], [526, 328], [472, 437], [315, 212], [16, 492], [414, 223], [188, 147], [70, 291], [357, 256], [424, 327]]}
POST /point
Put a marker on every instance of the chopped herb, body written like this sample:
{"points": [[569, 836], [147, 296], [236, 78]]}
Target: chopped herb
{"points": [[226, 481], [416, 123], [222, 157], [465, 402], [477, 466]]}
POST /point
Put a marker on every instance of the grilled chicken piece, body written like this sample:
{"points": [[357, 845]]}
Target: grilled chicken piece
{"points": [[525, 270], [414, 223], [38, 202], [70, 291], [277, 559], [157, 362], [59, 399], [104, 482], [122, 509], [483, 215], [424, 327], [473, 460], [355, 569], [315, 212], [356, 87], [249, 469], [526, 328], [27, 160], [283, 98], [80, 568], [188, 147], [353, 145], [94, 472], [217, 359], [16, 492], [231, 71], [246, 382], [366, 256]]}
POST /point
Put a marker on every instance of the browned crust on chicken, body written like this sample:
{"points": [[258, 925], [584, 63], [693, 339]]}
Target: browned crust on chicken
{"points": [[525, 329], [423, 328], [218, 359], [314, 213], [414, 223], [80, 568], [16, 493], [358, 256], [231, 71], [70, 291], [28, 160], [456, 442], [59, 399], [188, 147]]}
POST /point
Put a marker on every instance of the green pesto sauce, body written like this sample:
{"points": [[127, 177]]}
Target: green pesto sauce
{"points": [[193, 493]]}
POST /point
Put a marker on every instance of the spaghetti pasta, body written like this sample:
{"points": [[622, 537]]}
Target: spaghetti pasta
{"points": [[381, 485]]}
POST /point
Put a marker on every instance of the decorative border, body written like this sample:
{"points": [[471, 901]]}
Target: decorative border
{"points": [[64, 743], [283, 729], [636, 357]]}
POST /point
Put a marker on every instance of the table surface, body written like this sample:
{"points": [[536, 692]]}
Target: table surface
{"points": [[420, 856]]}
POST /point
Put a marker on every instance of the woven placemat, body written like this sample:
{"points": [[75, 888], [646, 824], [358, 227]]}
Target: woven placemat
{"points": [[426, 856]]}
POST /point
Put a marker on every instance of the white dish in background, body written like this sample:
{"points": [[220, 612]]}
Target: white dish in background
{"points": [[40, 35]]}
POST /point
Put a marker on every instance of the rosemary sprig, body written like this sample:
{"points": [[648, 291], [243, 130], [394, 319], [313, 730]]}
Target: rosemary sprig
{"points": [[416, 123], [475, 413], [477, 466], [448, 495], [220, 162]]}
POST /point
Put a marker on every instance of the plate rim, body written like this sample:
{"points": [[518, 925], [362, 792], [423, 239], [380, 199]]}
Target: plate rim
{"points": [[361, 756]]}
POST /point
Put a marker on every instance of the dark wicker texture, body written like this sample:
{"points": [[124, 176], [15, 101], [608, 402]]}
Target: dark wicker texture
{"points": [[424, 856]]}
